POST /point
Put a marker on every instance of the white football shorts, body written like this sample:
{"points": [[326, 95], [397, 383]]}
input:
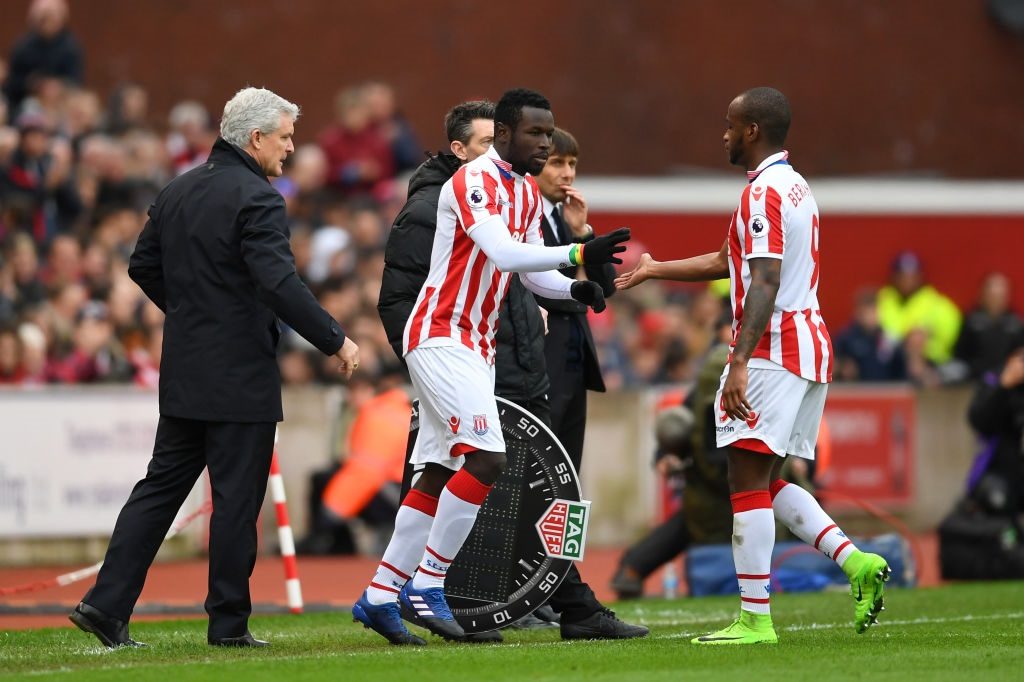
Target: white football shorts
{"points": [[786, 413], [458, 412]]}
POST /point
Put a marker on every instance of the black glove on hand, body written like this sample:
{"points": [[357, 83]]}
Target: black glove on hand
{"points": [[601, 250], [588, 293]]}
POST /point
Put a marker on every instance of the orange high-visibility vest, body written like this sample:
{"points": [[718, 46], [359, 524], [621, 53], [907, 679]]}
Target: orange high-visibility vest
{"points": [[377, 442]]}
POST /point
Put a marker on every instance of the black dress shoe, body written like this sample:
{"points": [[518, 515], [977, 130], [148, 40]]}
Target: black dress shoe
{"points": [[601, 625], [111, 632], [245, 640]]}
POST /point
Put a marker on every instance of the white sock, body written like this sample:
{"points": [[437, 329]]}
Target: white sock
{"points": [[456, 513], [802, 514], [753, 538], [412, 527]]}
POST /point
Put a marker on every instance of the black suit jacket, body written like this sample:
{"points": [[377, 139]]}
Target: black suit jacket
{"points": [[562, 313], [215, 257]]}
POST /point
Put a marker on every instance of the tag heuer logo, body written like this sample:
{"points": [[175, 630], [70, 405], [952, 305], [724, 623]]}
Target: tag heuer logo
{"points": [[563, 529]]}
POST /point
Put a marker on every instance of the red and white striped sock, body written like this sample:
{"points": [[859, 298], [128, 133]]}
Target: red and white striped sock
{"points": [[753, 538], [456, 513], [412, 527], [802, 514]]}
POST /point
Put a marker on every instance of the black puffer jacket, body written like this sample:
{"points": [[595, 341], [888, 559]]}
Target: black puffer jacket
{"points": [[519, 364]]}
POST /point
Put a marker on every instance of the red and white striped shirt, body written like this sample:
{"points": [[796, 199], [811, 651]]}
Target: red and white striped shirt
{"points": [[460, 298], [778, 218]]}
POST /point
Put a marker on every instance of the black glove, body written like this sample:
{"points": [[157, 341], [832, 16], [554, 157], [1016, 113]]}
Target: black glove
{"points": [[588, 293], [601, 250]]}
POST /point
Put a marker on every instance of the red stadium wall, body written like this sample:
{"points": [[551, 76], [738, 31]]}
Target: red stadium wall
{"points": [[856, 251], [906, 86]]}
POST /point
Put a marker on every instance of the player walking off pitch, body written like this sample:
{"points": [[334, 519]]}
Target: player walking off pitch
{"points": [[773, 388]]}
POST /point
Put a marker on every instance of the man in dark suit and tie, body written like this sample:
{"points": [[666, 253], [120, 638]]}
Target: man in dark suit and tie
{"points": [[573, 370], [569, 345], [215, 257]]}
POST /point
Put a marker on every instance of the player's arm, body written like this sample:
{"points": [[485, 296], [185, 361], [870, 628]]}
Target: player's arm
{"points": [[493, 238], [552, 284], [758, 306], [709, 266]]}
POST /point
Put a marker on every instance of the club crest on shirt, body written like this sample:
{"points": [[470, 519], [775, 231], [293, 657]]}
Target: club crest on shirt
{"points": [[759, 225], [480, 424], [475, 197]]}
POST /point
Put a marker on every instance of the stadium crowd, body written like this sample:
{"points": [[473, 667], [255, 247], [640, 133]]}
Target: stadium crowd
{"points": [[79, 168]]}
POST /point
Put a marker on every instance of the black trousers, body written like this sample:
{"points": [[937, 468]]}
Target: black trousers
{"points": [[568, 393], [660, 546], [238, 457], [573, 599]]}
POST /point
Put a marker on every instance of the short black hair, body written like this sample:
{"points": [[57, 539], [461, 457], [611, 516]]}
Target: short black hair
{"points": [[510, 107], [769, 109], [564, 144], [458, 122]]}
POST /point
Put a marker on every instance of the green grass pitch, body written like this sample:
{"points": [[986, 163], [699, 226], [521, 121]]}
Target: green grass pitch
{"points": [[972, 631]]}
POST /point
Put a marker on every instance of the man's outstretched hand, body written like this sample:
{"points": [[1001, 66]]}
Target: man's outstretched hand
{"points": [[589, 293], [641, 273], [603, 249]]}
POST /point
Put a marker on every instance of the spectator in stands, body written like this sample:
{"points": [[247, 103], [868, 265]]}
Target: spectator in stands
{"points": [[127, 109], [306, 180], [47, 51], [81, 116], [191, 135], [96, 356], [11, 371], [864, 352], [23, 260], [908, 302], [36, 178], [359, 157], [991, 329], [394, 127], [33, 355]]}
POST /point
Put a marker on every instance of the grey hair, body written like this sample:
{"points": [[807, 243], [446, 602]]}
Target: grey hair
{"points": [[251, 109]]}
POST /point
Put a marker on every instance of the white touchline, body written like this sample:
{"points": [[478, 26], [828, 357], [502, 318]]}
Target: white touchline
{"points": [[924, 620]]}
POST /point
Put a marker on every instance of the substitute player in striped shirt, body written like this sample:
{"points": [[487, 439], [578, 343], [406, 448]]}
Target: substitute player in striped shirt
{"points": [[488, 226], [773, 389]]}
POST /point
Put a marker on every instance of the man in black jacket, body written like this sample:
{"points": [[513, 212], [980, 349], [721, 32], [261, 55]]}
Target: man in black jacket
{"points": [[520, 372], [47, 50], [215, 257]]}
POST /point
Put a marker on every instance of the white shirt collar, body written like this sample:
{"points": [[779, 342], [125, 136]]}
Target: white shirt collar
{"points": [[492, 154], [549, 207], [774, 158]]}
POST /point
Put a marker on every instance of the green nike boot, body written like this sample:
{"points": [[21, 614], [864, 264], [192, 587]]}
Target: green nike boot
{"points": [[868, 574], [749, 628]]}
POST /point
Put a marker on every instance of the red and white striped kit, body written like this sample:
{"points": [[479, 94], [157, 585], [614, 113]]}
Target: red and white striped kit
{"points": [[463, 291], [778, 218]]}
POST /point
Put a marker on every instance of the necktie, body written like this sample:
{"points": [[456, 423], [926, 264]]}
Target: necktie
{"points": [[561, 233]]}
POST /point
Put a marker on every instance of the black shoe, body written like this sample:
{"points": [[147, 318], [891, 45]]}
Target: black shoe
{"points": [[602, 625], [111, 632], [245, 640], [627, 583], [547, 613], [532, 622], [491, 637]]}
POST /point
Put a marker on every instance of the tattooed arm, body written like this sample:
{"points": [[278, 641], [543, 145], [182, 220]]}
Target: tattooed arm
{"points": [[758, 307]]}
